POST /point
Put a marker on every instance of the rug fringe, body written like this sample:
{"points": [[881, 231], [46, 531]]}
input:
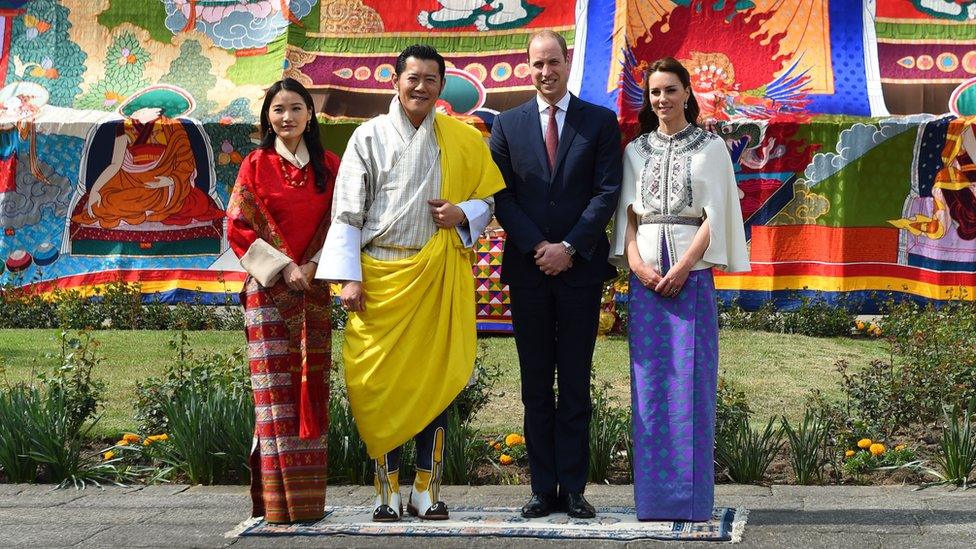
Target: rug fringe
{"points": [[244, 525], [739, 523]]}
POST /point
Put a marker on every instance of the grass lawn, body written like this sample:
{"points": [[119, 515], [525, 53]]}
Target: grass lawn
{"points": [[776, 371]]}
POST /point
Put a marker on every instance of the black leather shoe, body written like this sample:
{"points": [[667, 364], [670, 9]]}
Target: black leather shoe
{"points": [[578, 507], [539, 505]]}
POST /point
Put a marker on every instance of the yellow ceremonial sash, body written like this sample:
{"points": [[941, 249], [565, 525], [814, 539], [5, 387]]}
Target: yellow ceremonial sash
{"points": [[412, 350]]}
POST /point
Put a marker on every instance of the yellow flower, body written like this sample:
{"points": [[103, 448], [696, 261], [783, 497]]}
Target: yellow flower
{"points": [[864, 443], [506, 459], [122, 442], [849, 453], [108, 455], [877, 449], [514, 439], [155, 438], [860, 325], [131, 438], [899, 448]]}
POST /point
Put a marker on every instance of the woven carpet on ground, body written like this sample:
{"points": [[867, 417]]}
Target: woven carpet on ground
{"points": [[611, 523]]}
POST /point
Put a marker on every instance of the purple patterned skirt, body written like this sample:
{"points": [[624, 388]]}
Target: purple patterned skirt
{"points": [[674, 372]]}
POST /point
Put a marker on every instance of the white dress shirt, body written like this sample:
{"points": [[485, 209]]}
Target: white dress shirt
{"points": [[563, 104]]}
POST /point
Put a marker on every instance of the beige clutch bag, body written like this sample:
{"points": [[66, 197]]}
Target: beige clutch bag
{"points": [[264, 262]]}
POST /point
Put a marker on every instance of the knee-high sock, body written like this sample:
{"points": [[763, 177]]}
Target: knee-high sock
{"points": [[430, 456], [386, 480]]}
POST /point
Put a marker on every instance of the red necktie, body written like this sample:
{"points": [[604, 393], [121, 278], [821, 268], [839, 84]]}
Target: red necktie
{"points": [[552, 136]]}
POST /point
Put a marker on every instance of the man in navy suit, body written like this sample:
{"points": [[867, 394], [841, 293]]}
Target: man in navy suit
{"points": [[561, 160]]}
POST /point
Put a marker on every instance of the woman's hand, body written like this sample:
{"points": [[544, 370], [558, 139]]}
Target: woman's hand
{"points": [[646, 275], [308, 271], [670, 284], [295, 278]]}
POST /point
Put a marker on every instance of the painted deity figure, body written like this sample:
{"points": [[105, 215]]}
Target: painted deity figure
{"points": [[151, 175]]}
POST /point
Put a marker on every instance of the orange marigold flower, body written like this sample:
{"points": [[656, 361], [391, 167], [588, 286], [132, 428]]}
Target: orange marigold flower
{"points": [[865, 443], [108, 455], [131, 437], [155, 438], [860, 325], [514, 439], [497, 445], [506, 459], [849, 453], [877, 449]]}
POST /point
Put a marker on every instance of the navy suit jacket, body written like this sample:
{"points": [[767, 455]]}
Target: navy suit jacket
{"points": [[573, 202]]}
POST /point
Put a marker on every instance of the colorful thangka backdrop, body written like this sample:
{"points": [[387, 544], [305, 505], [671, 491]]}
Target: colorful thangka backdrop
{"points": [[122, 125]]}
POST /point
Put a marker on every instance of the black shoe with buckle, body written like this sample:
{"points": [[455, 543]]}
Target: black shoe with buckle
{"points": [[539, 505]]}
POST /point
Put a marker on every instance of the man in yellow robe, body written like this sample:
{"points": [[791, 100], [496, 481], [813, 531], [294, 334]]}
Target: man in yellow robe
{"points": [[413, 194]]}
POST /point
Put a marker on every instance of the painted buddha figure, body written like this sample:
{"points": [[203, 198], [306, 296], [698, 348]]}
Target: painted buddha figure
{"points": [[152, 172]]}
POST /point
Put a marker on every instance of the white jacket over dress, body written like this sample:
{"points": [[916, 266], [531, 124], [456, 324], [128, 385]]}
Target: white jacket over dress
{"points": [[688, 175]]}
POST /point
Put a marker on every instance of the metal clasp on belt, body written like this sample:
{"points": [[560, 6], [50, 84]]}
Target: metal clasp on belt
{"points": [[667, 219]]}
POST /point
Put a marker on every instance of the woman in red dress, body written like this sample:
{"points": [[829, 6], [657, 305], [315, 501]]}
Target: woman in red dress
{"points": [[277, 220]]}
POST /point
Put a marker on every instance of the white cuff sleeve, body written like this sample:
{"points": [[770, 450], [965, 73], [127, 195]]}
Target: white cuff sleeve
{"points": [[264, 262], [479, 215], [317, 257], [340, 254]]}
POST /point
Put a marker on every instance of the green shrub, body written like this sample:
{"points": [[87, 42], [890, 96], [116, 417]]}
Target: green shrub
{"points": [[463, 449], [809, 445], [72, 381], [121, 305], [207, 371], [957, 449], [48, 426], [60, 446], [609, 431], [731, 407], [734, 317], [745, 453], [15, 440], [21, 310], [155, 315], [934, 352], [813, 317], [873, 398], [210, 430], [817, 318]]}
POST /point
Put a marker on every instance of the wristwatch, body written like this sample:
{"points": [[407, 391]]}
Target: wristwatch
{"points": [[569, 248]]}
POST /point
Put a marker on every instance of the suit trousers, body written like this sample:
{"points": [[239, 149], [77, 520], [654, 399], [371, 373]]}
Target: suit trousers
{"points": [[555, 331]]}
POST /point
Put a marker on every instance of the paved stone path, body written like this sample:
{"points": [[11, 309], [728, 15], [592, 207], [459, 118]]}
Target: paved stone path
{"points": [[779, 516]]}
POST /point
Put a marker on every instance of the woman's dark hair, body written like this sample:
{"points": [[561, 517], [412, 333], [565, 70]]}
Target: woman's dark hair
{"points": [[647, 117], [313, 142]]}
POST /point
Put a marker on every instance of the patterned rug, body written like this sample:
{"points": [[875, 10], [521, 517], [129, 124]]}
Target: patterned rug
{"points": [[612, 523]]}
